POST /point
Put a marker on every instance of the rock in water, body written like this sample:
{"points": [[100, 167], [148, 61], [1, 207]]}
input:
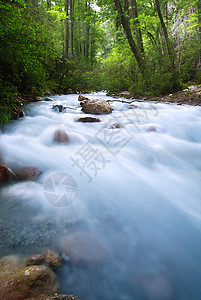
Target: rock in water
{"points": [[60, 136], [28, 172], [98, 107], [21, 283], [35, 259], [51, 259], [83, 247], [88, 120], [152, 129], [59, 108], [6, 174], [82, 98], [132, 106], [156, 287], [116, 125]]}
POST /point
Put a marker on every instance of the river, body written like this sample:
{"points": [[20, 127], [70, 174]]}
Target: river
{"points": [[134, 192]]}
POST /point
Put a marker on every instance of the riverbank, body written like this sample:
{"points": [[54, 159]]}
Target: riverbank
{"points": [[190, 96]]}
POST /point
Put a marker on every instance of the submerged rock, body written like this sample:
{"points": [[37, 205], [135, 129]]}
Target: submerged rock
{"points": [[28, 172], [6, 174], [156, 287], [21, 283], [60, 136], [115, 125], [98, 107], [88, 120], [132, 106], [82, 98], [152, 129], [83, 247]]}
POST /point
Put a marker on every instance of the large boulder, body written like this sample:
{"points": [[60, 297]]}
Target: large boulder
{"points": [[83, 247], [6, 174], [60, 136], [21, 283], [98, 107]]}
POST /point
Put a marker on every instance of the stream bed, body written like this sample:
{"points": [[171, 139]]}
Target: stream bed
{"points": [[123, 194]]}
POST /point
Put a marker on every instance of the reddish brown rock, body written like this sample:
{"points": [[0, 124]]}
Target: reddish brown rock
{"points": [[83, 247], [60, 136], [88, 120], [6, 174], [28, 172]]}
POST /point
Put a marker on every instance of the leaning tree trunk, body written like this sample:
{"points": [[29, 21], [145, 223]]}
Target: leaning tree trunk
{"points": [[134, 48]]}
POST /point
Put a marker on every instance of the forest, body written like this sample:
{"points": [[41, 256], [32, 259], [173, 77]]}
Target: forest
{"points": [[65, 46]]}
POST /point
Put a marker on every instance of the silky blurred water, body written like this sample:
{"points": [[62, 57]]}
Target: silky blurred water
{"points": [[139, 193]]}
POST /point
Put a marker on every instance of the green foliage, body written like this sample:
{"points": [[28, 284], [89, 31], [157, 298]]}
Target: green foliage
{"points": [[7, 101]]}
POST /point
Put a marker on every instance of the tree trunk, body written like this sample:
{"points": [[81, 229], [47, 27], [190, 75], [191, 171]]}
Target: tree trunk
{"points": [[165, 33], [126, 6], [132, 44], [48, 4], [71, 28], [87, 33], [136, 22], [66, 31]]}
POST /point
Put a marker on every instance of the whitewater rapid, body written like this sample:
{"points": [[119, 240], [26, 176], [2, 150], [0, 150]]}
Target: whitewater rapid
{"points": [[138, 190]]}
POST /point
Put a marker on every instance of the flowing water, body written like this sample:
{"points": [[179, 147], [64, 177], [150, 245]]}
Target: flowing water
{"points": [[135, 190]]}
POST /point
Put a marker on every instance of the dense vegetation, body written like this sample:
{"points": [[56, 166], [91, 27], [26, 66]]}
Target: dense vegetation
{"points": [[146, 47]]}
